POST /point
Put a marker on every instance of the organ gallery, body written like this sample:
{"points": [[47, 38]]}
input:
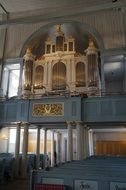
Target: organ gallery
{"points": [[61, 68]]}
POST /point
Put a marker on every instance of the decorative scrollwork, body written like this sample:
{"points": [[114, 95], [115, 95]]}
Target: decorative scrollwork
{"points": [[56, 109]]}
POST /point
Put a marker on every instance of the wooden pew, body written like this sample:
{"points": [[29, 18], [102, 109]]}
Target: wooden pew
{"points": [[86, 174], [2, 169]]}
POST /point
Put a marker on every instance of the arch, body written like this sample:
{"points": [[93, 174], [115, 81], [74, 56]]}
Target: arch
{"points": [[38, 77], [91, 30], [45, 31], [80, 74], [59, 76]]}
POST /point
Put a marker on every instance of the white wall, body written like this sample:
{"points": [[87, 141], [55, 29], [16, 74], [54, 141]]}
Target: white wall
{"points": [[110, 136]]}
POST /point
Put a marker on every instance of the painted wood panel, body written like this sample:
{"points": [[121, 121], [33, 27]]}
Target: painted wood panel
{"points": [[89, 110], [104, 109], [70, 110], [111, 148]]}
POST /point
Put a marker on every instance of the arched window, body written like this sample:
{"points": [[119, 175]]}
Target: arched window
{"points": [[38, 80], [59, 76], [80, 74]]}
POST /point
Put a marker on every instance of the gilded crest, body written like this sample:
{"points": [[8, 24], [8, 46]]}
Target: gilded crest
{"points": [[55, 109]]}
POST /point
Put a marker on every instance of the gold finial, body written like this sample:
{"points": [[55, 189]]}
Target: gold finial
{"points": [[28, 50], [58, 28], [91, 47], [91, 42], [48, 39], [71, 37]]}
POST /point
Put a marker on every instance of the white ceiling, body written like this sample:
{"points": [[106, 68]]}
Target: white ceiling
{"points": [[31, 11], [12, 6]]}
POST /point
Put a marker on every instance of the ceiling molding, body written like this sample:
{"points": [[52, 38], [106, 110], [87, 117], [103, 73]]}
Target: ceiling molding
{"points": [[61, 13], [3, 9]]}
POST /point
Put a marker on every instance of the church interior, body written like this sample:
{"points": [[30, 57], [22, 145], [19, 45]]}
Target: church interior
{"points": [[62, 95]]}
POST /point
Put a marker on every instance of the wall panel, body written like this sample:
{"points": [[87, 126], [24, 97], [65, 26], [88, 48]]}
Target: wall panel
{"points": [[104, 109], [111, 148], [16, 37]]}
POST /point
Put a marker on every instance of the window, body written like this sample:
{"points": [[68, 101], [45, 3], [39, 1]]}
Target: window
{"points": [[48, 48], [53, 48], [65, 47], [70, 46], [12, 139], [10, 81]]}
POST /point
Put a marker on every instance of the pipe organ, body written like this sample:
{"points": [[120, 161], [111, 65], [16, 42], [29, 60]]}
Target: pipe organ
{"points": [[61, 68], [28, 70], [92, 59]]}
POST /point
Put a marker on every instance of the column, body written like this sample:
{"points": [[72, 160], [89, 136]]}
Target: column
{"points": [[17, 148], [52, 148], [24, 151], [73, 84], [68, 72], [63, 148], [91, 146], [45, 141], [87, 141], [49, 76], [69, 142], [78, 141], [58, 147], [20, 79], [45, 80], [94, 143], [82, 142], [38, 149]]}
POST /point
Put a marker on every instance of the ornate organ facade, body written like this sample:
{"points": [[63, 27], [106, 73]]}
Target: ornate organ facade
{"points": [[62, 69]]}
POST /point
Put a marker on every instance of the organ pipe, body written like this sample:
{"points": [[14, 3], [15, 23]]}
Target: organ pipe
{"points": [[28, 70], [92, 57], [59, 38]]}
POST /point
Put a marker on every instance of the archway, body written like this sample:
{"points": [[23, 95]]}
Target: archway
{"points": [[80, 74], [59, 76], [70, 28], [38, 79]]}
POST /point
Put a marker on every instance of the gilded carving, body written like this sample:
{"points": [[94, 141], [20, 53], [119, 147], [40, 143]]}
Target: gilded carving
{"points": [[56, 109]]}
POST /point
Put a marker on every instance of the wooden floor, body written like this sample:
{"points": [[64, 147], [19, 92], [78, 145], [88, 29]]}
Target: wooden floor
{"points": [[15, 185]]}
